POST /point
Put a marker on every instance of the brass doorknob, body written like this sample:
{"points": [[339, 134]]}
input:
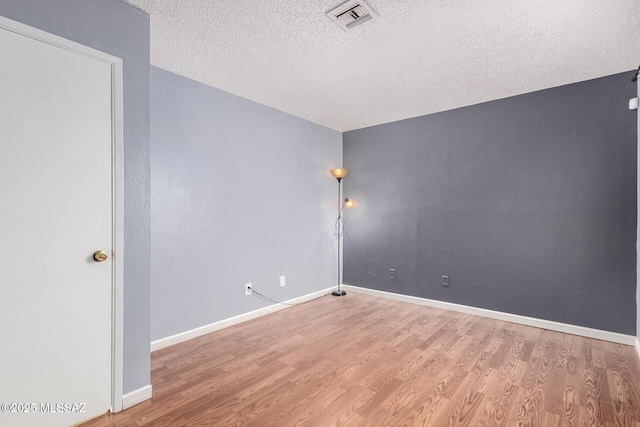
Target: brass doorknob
{"points": [[99, 256]]}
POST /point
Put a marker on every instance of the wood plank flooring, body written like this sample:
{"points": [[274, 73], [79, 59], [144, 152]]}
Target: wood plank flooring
{"points": [[365, 361]]}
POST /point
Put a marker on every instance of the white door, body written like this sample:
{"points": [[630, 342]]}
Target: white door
{"points": [[55, 211]]}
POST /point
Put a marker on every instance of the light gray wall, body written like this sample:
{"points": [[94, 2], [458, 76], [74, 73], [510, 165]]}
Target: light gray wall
{"points": [[119, 29], [240, 193], [527, 203]]}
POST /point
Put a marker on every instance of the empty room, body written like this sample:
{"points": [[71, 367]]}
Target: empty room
{"points": [[319, 213]]}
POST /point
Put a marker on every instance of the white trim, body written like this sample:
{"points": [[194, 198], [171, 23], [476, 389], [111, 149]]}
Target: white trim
{"points": [[117, 165], [117, 183], [638, 227], [508, 317], [52, 39], [225, 323], [137, 396]]}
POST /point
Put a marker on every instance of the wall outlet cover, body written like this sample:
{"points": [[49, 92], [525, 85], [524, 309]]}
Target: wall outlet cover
{"points": [[282, 281], [247, 289]]}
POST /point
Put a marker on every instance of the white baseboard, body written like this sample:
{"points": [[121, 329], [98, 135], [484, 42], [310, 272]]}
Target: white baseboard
{"points": [[137, 396], [225, 323], [508, 317], [638, 347]]}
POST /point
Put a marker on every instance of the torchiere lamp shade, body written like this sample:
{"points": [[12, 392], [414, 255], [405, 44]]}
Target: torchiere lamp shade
{"points": [[339, 173]]}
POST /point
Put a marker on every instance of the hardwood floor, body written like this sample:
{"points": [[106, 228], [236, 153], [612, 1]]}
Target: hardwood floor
{"points": [[365, 361]]}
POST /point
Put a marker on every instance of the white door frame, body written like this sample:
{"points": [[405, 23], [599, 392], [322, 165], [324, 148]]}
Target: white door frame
{"points": [[117, 186]]}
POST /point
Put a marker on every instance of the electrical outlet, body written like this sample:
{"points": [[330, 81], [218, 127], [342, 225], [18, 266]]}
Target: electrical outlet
{"points": [[445, 281], [247, 289], [392, 273], [282, 282]]}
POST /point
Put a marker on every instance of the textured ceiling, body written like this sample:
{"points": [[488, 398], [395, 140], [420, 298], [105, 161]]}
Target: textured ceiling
{"points": [[418, 57]]}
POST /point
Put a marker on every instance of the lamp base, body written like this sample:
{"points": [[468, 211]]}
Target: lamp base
{"points": [[338, 293]]}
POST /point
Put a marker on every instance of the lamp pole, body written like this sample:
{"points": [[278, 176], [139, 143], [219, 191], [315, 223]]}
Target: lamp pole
{"points": [[339, 173]]}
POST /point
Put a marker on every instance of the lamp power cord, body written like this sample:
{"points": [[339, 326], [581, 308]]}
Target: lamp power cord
{"points": [[339, 231], [264, 297]]}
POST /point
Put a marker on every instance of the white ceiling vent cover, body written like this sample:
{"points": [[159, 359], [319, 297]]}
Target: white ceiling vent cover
{"points": [[351, 14]]}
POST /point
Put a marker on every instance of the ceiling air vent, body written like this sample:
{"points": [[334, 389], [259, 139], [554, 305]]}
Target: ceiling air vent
{"points": [[351, 14]]}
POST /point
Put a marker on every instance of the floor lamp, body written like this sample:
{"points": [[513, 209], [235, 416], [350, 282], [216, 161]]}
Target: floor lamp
{"points": [[339, 173]]}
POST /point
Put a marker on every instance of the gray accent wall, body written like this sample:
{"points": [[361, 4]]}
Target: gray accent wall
{"points": [[527, 203], [240, 193], [119, 29]]}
